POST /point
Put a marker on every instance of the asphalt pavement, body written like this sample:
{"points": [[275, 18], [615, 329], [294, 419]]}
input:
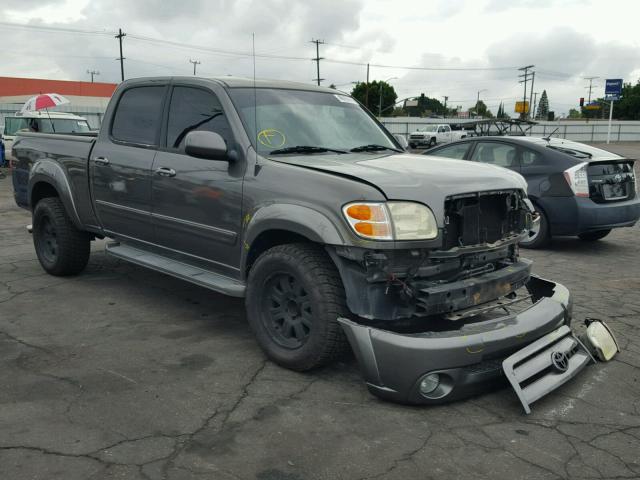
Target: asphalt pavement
{"points": [[125, 373]]}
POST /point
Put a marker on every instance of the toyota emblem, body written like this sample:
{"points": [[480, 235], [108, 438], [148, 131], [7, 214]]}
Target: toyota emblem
{"points": [[617, 178], [560, 361]]}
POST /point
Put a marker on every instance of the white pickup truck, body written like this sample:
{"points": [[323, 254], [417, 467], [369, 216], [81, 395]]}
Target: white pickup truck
{"points": [[431, 135]]}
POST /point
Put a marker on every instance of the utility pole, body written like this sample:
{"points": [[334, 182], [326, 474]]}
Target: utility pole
{"points": [[445, 105], [120, 36], [535, 101], [590, 87], [533, 79], [92, 73], [195, 63], [317, 59], [525, 79]]}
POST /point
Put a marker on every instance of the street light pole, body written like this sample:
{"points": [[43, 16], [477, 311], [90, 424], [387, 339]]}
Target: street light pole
{"points": [[478, 100], [195, 63], [380, 92]]}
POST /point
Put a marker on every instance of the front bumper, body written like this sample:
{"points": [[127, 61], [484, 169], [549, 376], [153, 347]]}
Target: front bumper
{"points": [[468, 358]]}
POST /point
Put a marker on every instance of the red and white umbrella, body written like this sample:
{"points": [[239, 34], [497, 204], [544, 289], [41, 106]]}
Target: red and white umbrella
{"points": [[44, 100]]}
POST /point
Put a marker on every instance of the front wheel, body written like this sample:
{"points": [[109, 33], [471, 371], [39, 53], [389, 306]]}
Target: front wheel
{"points": [[294, 298], [593, 236], [539, 237], [61, 248], [432, 142]]}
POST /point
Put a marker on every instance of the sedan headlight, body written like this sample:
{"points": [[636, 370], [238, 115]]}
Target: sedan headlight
{"points": [[391, 220]]}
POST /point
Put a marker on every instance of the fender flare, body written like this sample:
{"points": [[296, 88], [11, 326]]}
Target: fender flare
{"points": [[299, 219], [50, 172]]}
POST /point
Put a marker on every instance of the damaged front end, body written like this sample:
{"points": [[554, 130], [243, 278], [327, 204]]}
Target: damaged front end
{"points": [[435, 324]]}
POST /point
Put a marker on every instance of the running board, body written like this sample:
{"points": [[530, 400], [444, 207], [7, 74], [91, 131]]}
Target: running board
{"points": [[183, 271]]}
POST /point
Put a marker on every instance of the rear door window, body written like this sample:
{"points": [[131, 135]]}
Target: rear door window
{"points": [[138, 115], [531, 159], [496, 153], [457, 151]]}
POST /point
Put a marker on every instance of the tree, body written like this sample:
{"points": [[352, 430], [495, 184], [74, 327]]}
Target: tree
{"points": [[369, 94], [426, 107], [543, 107], [482, 110], [573, 113], [628, 107]]}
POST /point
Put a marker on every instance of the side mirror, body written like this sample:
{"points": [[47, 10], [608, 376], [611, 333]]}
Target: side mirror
{"points": [[402, 140], [203, 144]]}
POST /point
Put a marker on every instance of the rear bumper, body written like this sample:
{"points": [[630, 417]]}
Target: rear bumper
{"points": [[468, 360], [575, 215]]}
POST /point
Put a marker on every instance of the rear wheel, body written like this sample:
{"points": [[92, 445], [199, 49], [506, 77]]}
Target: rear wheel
{"points": [[294, 298], [593, 236], [538, 237], [61, 248]]}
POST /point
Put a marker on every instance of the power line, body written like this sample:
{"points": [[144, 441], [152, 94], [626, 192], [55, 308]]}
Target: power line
{"points": [[317, 59], [46, 28], [224, 52]]}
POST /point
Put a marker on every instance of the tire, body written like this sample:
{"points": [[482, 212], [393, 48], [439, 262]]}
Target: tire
{"points": [[294, 298], [593, 236], [61, 248], [542, 238], [412, 145], [432, 143]]}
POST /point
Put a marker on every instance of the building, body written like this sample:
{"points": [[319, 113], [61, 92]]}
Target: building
{"points": [[86, 98]]}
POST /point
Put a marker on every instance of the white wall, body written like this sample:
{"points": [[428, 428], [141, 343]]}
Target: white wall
{"points": [[593, 131]]}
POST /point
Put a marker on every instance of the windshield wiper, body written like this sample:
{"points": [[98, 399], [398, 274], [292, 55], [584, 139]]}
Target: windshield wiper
{"points": [[304, 149], [373, 148]]}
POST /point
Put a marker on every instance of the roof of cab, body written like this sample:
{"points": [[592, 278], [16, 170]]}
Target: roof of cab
{"points": [[241, 82]]}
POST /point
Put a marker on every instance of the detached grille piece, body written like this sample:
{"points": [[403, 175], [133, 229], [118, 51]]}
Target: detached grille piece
{"points": [[483, 217]]}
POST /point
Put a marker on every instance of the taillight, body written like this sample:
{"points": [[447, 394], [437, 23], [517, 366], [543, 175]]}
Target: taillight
{"points": [[578, 180]]}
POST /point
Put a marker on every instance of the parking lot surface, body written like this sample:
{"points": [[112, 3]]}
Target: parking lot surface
{"points": [[122, 372]]}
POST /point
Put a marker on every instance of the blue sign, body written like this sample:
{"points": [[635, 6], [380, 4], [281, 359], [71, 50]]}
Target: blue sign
{"points": [[613, 87]]}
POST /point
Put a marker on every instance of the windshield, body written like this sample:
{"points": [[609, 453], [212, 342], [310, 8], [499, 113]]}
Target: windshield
{"points": [[291, 118], [430, 128], [45, 125]]}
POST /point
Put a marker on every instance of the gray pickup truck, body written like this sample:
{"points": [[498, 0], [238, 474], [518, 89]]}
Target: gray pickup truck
{"points": [[297, 199]]}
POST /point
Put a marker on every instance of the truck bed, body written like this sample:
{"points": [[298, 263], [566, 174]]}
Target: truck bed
{"points": [[67, 154]]}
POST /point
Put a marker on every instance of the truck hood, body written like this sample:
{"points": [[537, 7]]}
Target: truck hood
{"points": [[419, 178]]}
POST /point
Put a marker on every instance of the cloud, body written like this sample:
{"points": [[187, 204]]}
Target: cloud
{"points": [[444, 34]]}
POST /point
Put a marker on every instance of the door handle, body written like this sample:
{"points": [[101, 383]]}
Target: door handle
{"points": [[101, 160], [166, 172]]}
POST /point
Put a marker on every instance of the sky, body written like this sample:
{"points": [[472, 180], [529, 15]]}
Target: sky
{"points": [[453, 48]]}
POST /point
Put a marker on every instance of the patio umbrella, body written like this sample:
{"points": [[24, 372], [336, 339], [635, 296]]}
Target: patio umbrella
{"points": [[44, 101]]}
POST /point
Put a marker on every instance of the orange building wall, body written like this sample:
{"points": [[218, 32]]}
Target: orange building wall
{"points": [[13, 86]]}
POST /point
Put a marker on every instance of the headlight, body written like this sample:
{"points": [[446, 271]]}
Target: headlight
{"points": [[391, 220]]}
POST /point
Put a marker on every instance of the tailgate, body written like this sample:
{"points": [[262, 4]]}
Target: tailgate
{"points": [[545, 365]]}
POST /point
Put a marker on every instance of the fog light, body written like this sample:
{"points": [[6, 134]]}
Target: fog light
{"points": [[429, 383]]}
